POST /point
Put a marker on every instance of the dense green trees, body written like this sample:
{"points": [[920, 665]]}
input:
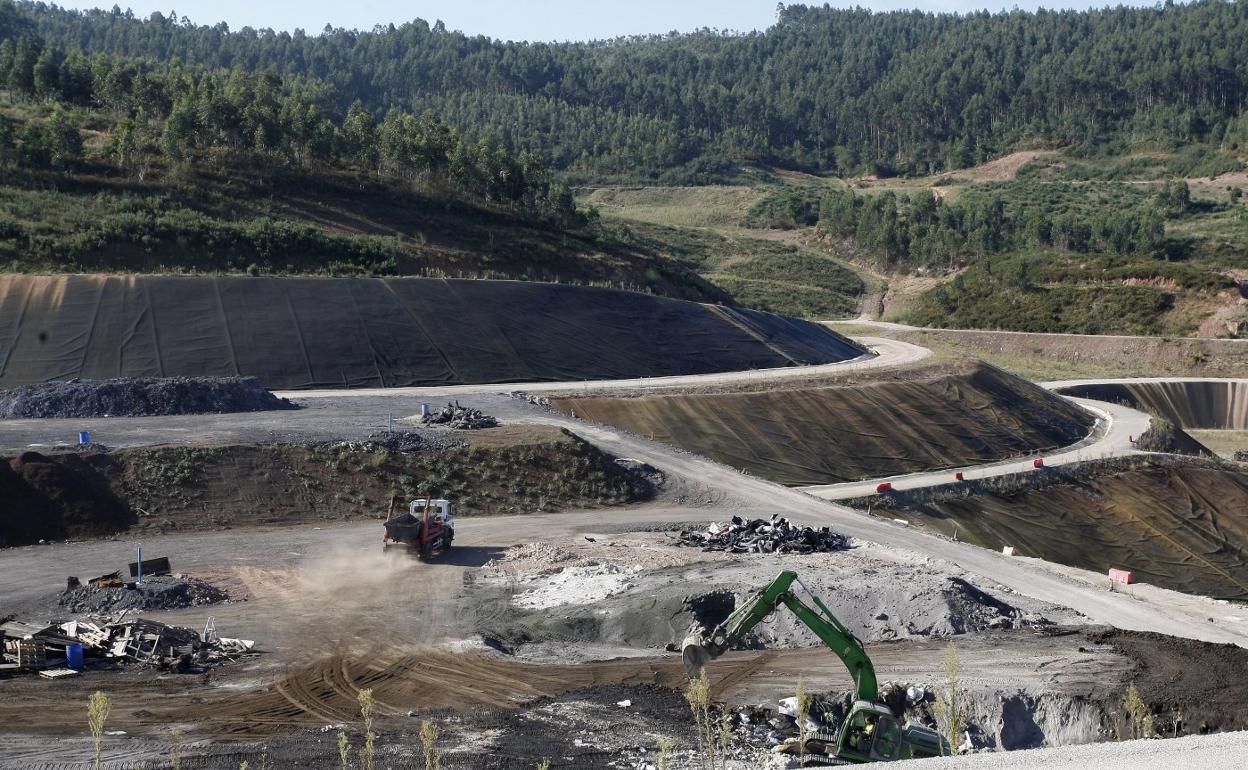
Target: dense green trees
{"points": [[835, 90], [906, 231], [187, 114]]}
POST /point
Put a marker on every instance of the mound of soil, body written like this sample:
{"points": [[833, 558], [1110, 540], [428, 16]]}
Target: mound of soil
{"points": [[1189, 686], [140, 397], [163, 592], [44, 498], [83, 494]]}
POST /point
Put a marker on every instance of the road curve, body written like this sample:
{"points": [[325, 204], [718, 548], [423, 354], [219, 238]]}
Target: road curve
{"points": [[1116, 427]]}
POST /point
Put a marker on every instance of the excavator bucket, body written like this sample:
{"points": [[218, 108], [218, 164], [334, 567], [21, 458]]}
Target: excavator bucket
{"points": [[696, 656]]}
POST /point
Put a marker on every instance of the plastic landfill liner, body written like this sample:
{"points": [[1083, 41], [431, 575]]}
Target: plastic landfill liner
{"points": [[352, 332]]}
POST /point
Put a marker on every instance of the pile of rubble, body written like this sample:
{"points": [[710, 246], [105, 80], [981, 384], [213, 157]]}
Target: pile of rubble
{"points": [[56, 650], [777, 535], [778, 730], [139, 397], [459, 417], [164, 592]]}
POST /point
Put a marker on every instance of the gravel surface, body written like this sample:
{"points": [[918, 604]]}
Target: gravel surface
{"points": [[1206, 751], [139, 397]]}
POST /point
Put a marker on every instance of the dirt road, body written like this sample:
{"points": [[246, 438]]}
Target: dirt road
{"points": [[1113, 436]]}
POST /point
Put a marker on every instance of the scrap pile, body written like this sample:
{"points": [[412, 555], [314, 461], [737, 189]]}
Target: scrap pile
{"points": [[762, 727], [778, 535], [459, 417], [57, 649], [61, 649]]}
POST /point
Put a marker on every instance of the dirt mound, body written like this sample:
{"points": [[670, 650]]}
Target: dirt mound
{"points": [[46, 498], [163, 592], [351, 332], [1189, 686], [1175, 523], [140, 397], [195, 488], [915, 421], [614, 601], [1207, 404]]}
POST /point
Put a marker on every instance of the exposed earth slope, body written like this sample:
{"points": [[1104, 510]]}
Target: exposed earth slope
{"points": [[916, 420], [1174, 523]]}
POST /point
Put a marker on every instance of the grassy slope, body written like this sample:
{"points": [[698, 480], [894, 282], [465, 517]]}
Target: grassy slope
{"points": [[701, 227], [1190, 293]]}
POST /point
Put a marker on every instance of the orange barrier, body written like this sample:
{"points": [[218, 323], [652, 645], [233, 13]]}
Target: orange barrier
{"points": [[884, 487]]}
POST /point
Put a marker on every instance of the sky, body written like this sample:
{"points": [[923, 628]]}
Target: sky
{"points": [[536, 20]]}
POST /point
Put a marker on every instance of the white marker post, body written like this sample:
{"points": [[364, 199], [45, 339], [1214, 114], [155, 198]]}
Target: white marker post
{"points": [[139, 581]]}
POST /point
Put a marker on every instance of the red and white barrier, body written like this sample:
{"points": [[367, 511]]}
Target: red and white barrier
{"points": [[1121, 576]]}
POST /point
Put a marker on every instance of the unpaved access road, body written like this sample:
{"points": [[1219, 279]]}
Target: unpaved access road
{"points": [[1117, 427], [1147, 608]]}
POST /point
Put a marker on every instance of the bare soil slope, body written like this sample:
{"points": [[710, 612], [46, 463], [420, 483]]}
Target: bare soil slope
{"points": [[913, 421], [1177, 524]]}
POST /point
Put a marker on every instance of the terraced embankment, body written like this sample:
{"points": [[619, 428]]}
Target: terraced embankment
{"points": [[1198, 403], [914, 420], [81, 495], [354, 332], [1175, 523]]}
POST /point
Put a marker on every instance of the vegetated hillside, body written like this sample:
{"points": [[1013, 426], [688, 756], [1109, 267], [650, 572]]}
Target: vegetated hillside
{"points": [[1046, 252], [502, 470], [910, 421], [1178, 524], [827, 89], [116, 164], [768, 275]]}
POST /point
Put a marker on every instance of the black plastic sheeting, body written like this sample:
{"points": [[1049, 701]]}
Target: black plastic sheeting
{"points": [[1195, 404], [357, 332]]}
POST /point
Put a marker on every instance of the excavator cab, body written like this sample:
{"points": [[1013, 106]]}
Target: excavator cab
{"points": [[870, 734]]}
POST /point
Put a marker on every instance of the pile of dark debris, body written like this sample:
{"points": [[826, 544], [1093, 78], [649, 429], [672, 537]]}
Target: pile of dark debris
{"points": [[139, 397], [457, 417], [775, 535]]}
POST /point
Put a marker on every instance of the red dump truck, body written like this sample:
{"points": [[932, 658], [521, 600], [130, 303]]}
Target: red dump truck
{"points": [[427, 528]]}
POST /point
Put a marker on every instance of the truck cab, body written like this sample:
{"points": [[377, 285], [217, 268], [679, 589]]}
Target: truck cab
{"points": [[439, 511]]}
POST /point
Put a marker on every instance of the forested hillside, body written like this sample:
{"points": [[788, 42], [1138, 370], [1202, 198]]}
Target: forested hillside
{"points": [[841, 91]]}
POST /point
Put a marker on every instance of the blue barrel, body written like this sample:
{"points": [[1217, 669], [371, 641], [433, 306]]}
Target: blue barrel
{"points": [[84, 437], [73, 656], [425, 410]]}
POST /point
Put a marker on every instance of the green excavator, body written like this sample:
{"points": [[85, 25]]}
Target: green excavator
{"points": [[870, 732]]}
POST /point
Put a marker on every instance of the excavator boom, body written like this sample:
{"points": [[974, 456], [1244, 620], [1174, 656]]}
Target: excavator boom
{"points": [[699, 649], [870, 732]]}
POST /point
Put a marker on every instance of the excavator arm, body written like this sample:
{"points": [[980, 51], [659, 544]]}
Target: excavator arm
{"points": [[701, 648]]}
